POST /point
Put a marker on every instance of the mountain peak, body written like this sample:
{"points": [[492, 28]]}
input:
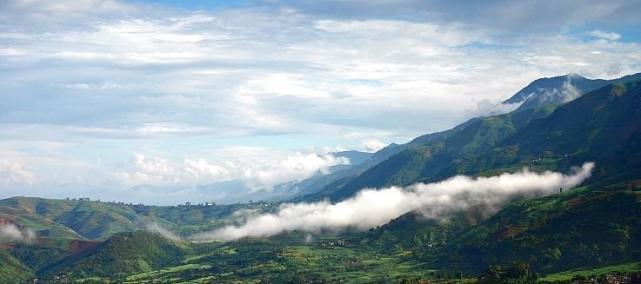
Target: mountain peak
{"points": [[554, 90], [574, 75]]}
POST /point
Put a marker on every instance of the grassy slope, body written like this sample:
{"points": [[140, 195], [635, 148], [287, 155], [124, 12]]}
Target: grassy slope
{"points": [[593, 226], [590, 226], [40, 256], [593, 272], [597, 225], [12, 271], [37, 214], [93, 220], [273, 261], [426, 158], [67, 229], [70, 219], [602, 126], [122, 254]]}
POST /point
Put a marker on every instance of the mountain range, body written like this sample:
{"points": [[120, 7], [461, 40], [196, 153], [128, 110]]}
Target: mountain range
{"points": [[560, 122]]}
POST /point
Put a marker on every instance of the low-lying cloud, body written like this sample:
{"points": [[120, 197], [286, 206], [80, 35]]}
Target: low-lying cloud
{"points": [[486, 108], [11, 232], [156, 228], [371, 208]]}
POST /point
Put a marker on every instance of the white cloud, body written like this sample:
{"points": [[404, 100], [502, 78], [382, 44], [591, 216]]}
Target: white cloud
{"points": [[158, 229], [439, 35], [565, 94], [13, 173], [370, 208], [87, 86], [372, 145], [259, 170], [292, 168], [9, 52], [611, 36], [292, 85], [286, 72], [488, 108], [12, 232], [160, 171]]}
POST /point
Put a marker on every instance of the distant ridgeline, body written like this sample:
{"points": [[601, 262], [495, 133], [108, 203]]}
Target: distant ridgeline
{"points": [[561, 122]]}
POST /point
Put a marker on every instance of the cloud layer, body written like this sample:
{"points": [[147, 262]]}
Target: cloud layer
{"points": [[88, 84], [13, 173], [261, 171], [371, 208]]}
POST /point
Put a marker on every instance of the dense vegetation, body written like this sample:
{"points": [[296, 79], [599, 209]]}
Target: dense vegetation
{"points": [[95, 220], [601, 126], [12, 270], [586, 227], [121, 255]]}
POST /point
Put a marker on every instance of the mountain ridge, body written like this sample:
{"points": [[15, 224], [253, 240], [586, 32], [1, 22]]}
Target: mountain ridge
{"points": [[428, 157]]}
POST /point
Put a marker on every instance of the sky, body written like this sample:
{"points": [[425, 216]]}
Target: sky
{"points": [[101, 98]]}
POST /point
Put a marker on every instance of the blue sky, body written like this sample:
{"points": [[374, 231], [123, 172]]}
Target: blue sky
{"points": [[103, 96]]}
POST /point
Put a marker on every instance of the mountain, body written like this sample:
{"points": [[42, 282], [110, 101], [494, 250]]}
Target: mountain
{"points": [[591, 226], [560, 89], [596, 225], [554, 90], [602, 126], [95, 220], [586, 227], [69, 218], [354, 157], [121, 255], [471, 147], [424, 158], [317, 187]]}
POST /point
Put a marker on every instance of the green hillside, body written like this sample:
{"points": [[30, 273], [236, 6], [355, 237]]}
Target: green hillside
{"points": [[551, 90], [12, 271], [95, 220], [603, 126], [69, 218], [590, 226], [595, 225], [42, 255], [429, 157], [121, 255], [632, 268], [286, 261]]}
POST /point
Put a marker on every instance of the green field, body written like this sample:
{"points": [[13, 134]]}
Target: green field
{"points": [[270, 261], [593, 272]]}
